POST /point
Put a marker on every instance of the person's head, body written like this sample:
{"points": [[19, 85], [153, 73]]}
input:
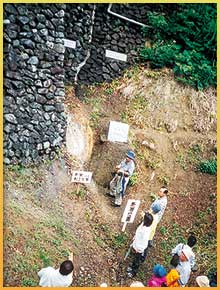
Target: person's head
{"points": [[156, 207], [137, 284], [191, 241], [163, 191], [130, 156], [202, 281], [103, 285], [159, 271], [148, 219], [175, 260], [66, 267], [186, 254]]}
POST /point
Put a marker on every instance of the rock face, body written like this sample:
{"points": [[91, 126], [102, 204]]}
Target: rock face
{"points": [[34, 121], [37, 66]]}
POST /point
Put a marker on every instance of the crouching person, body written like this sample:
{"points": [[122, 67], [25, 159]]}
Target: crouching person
{"points": [[140, 244], [118, 184]]}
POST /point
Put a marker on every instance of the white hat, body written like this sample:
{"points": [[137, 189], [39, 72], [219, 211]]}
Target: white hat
{"points": [[103, 285], [187, 252], [137, 284], [202, 281]]}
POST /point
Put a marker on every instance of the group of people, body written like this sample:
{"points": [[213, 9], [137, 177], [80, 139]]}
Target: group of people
{"points": [[182, 256]]}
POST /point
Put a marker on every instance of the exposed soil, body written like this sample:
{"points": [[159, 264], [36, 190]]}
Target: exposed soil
{"points": [[181, 125]]}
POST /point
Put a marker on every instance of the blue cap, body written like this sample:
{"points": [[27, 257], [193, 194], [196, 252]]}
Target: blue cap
{"points": [[156, 207], [130, 154], [159, 271]]}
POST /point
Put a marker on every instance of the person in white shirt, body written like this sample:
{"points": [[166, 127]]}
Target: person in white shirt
{"points": [[184, 267], [119, 183], [140, 244], [62, 277], [190, 243]]}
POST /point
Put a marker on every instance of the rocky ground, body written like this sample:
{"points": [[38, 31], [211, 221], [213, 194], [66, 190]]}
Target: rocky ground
{"points": [[172, 128]]}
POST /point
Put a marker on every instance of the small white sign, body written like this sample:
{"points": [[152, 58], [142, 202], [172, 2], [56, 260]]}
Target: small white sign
{"points": [[70, 43], [82, 176], [118, 132], [116, 55], [130, 211]]}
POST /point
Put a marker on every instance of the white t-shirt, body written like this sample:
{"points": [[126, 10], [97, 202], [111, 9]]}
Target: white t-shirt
{"points": [[50, 277], [141, 238]]}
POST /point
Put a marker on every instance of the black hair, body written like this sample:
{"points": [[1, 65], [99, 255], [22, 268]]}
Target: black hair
{"points": [[165, 189], [148, 219], [191, 241], [66, 267], [175, 260]]}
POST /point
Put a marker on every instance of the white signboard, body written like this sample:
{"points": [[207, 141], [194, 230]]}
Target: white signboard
{"points": [[70, 43], [82, 176], [118, 132], [116, 55], [130, 211]]}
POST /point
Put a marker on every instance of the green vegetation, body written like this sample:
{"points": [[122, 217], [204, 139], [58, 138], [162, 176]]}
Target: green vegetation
{"points": [[184, 39], [133, 179], [119, 240], [208, 166]]}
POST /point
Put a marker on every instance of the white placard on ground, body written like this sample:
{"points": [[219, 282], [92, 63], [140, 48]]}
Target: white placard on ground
{"points": [[70, 43], [82, 176], [118, 132], [130, 211], [116, 55]]}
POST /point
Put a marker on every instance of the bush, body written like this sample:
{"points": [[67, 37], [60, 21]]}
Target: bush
{"points": [[184, 39], [208, 166]]}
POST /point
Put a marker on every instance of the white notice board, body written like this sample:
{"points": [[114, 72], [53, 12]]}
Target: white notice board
{"points": [[118, 132], [82, 176], [116, 55], [130, 211], [70, 43]]}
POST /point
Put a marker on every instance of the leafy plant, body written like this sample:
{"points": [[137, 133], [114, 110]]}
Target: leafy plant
{"points": [[208, 166], [119, 240], [184, 39], [133, 179]]}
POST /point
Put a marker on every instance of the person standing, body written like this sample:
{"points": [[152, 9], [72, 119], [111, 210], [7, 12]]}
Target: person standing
{"points": [[161, 200], [140, 244], [173, 275], [119, 183], [184, 268], [190, 243]]}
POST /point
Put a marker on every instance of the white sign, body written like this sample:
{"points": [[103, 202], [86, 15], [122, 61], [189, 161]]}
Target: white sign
{"points": [[130, 211], [70, 43], [118, 132], [116, 55], [82, 176]]}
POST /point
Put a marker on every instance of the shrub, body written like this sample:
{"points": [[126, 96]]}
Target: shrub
{"points": [[208, 166], [184, 39]]}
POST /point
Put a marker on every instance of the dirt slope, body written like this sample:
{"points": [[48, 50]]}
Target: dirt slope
{"points": [[47, 216]]}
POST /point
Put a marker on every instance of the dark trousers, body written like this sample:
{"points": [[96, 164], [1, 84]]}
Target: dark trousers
{"points": [[139, 258]]}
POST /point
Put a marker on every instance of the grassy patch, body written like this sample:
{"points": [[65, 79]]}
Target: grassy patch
{"points": [[119, 240]]}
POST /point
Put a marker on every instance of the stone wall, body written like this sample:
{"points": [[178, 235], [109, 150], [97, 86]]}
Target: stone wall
{"points": [[109, 32], [34, 118], [37, 65]]}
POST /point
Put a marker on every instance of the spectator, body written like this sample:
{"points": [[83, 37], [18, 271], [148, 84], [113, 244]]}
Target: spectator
{"points": [[155, 209], [173, 275], [140, 244], [162, 201], [202, 281], [190, 243], [184, 267], [159, 277], [61, 277]]}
